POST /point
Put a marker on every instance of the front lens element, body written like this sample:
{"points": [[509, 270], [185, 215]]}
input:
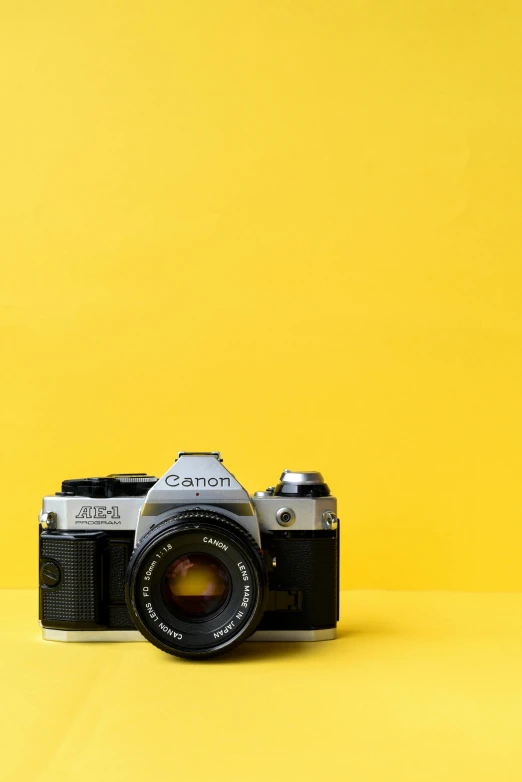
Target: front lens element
{"points": [[195, 586]]}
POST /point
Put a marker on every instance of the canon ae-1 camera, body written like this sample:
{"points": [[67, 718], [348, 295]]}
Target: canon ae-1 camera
{"points": [[191, 561]]}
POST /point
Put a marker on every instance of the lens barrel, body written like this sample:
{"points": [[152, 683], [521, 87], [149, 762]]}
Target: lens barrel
{"points": [[196, 585]]}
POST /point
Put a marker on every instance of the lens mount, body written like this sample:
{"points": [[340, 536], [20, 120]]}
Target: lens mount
{"points": [[196, 584]]}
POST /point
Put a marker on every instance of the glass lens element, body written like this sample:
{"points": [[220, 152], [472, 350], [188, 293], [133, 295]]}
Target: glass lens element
{"points": [[195, 586]]}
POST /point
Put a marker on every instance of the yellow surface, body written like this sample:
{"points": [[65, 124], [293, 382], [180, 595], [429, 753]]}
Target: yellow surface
{"points": [[286, 230], [419, 687]]}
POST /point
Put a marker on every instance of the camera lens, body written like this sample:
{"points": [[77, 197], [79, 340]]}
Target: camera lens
{"points": [[195, 586]]}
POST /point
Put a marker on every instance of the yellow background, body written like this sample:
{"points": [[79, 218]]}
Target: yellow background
{"points": [[286, 230], [418, 687]]}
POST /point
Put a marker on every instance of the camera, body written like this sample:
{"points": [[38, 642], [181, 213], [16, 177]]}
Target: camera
{"points": [[189, 561]]}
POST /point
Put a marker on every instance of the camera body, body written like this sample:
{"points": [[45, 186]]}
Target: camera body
{"points": [[191, 561]]}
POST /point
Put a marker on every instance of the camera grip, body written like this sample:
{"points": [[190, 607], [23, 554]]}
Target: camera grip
{"points": [[70, 589], [82, 579]]}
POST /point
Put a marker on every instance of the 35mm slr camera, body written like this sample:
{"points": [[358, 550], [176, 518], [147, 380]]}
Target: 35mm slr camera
{"points": [[190, 562]]}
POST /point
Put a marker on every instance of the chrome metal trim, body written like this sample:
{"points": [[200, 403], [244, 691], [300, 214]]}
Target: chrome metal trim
{"points": [[67, 512], [308, 511], [126, 636], [92, 636], [302, 477], [294, 635], [199, 453], [208, 482]]}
